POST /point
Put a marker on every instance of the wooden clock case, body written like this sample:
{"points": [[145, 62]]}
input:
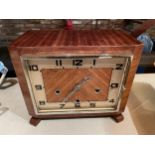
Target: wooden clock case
{"points": [[55, 43]]}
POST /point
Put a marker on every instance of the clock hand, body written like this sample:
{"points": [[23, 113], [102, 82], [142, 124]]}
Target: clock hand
{"points": [[76, 88]]}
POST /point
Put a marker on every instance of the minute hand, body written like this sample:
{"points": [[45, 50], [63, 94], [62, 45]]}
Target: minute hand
{"points": [[76, 88]]}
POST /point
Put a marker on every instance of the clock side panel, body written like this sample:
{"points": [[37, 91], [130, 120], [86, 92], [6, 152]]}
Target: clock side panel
{"points": [[15, 57], [132, 71]]}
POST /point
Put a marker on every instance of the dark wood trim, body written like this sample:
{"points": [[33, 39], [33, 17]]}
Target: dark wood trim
{"points": [[131, 74], [34, 121], [118, 118]]}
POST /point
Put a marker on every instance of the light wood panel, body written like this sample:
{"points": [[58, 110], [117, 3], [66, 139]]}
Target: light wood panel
{"points": [[65, 80]]}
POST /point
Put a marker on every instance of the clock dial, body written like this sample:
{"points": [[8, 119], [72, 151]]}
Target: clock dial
{"points": [[75, 83], [82, 84]]}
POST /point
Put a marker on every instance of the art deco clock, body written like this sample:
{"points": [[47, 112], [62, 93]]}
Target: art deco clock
{"points": [[75, 73]]}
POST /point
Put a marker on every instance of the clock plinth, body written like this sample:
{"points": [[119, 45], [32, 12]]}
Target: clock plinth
{"points": [[34, 121], [76, 73], [118, 118]]}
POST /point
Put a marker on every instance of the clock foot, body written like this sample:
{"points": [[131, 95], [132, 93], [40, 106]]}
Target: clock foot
{"points": [[34, 121], [118, 118]]}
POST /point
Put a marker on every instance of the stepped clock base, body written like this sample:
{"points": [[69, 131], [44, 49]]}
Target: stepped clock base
{"points": [[34, 121], [117, 118]]}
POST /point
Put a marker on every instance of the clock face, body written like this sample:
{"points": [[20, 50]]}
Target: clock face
{"points": [[75, 84]]}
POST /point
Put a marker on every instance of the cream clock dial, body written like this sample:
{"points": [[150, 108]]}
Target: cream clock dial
{"points": [[76, 84]]}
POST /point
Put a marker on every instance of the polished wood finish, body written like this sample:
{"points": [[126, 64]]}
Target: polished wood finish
{"points": [[118, 118], [64, 80], [34, 121], [73, 38], [74, 43]]}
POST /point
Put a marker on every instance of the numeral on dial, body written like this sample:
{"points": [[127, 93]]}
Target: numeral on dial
{"points": [[119, 66], [77, 105], [92, 105], [58, 62], [42, 102], [62, 105], [114, 85], [38, 87], [77, 62], [112, 100], [94, 62], [33, 67]]}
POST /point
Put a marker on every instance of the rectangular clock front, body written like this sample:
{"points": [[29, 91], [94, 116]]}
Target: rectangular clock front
{"points": [[92, 84]]}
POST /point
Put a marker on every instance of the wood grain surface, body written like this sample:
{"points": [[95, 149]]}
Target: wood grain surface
{"points": [[80, 38], [79, 43], [65, 80]]}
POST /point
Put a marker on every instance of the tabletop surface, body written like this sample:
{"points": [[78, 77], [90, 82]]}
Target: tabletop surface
{"points": [[16, 119]]}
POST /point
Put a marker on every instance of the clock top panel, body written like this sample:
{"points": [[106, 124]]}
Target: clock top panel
{"points": [[74, 38]]}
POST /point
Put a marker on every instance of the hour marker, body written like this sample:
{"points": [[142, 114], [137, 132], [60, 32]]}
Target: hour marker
{"points": [[77, 104], [114, 85], [42, 102], [112, 100], [58, 62], [119, 66], [38, 87], [62, 105], [92, 105], [77, 62], [94, 62], [33, 67]]}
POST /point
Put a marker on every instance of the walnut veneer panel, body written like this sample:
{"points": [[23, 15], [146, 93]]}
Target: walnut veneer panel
{"points": [[65, 80], [73, 38]]}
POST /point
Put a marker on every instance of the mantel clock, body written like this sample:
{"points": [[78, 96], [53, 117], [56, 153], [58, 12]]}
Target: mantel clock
{"points": [[75, 73]]}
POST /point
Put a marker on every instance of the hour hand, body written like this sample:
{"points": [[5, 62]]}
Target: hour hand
{"points": [[76, 88]]}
